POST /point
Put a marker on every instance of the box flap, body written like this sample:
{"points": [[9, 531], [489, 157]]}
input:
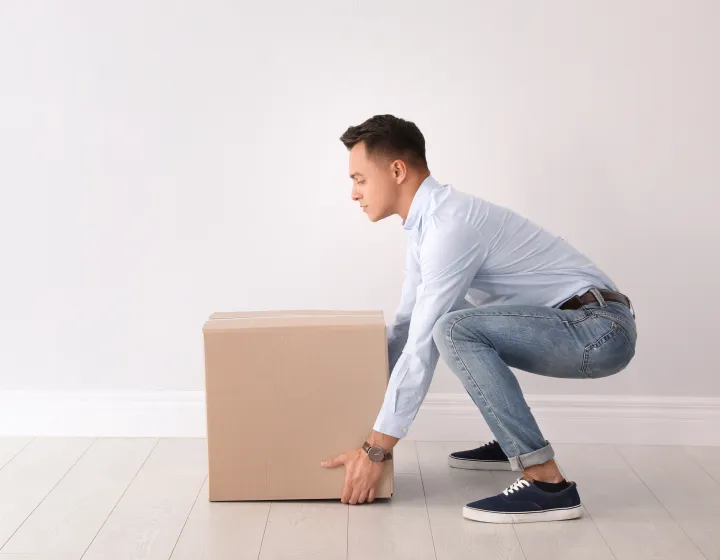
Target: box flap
{"points": [[298, 318], [288, 312]]}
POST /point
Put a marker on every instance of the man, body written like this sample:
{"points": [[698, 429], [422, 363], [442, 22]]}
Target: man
{"points": [[544, 308]]}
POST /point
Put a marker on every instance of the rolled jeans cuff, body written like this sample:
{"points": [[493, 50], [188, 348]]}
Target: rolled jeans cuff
{"points": [[537, 457]]}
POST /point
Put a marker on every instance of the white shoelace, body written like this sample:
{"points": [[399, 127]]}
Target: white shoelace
{"points": [[516, 486]]}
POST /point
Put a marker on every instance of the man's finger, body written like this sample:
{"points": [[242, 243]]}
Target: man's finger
{"points": [[334, 462], [355, 496], [363, 497], [371, 496], [347, 492]]}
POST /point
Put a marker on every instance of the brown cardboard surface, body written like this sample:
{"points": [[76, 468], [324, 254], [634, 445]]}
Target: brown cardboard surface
{"points": [[286, 390]]}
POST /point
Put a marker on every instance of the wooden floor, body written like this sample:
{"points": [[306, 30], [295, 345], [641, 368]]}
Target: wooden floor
{"points": [[107, 499]]}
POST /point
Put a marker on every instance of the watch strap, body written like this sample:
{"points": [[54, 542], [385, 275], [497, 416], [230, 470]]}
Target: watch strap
{"points": [[388, 454]]}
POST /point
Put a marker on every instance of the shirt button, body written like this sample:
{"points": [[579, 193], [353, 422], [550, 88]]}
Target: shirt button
{"points": [[404, 429]]}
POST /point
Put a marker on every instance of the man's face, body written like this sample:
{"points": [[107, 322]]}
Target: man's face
{"points": [[374, 183]]}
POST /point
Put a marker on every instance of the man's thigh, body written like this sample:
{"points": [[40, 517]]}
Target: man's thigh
{"points": [[543, 340]]}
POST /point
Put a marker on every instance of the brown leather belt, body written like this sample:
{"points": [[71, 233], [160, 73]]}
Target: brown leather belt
{"points": [[576, 302]]}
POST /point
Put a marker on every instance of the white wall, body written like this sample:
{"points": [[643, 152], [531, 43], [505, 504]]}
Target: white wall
{"points": [[163, 160]]}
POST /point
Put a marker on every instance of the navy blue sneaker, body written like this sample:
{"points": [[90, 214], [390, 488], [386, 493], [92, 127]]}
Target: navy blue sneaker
{"points": [[525, 501], [489, 457]]}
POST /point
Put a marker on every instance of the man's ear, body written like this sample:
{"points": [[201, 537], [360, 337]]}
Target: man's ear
{"points": [[399, 170]]}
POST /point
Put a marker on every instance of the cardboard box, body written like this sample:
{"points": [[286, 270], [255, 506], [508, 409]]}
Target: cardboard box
{"points": [[286, 390]]}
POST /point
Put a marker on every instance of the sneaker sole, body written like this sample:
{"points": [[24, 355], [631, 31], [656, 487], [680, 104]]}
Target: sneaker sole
{"points": [[531, 517], [475, 465]]}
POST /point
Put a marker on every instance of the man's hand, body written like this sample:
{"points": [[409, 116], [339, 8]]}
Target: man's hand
{"points": [[361, 475]]}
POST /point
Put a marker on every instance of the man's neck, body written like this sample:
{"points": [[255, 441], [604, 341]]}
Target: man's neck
{"points": [[408, 194]]}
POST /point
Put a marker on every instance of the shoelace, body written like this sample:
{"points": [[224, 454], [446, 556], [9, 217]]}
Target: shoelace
{"points": [[516, 486], [493, 443]]}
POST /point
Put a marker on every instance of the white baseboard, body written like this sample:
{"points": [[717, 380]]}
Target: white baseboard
{"points": [[582, 419], [103, 413], [442, 417]]}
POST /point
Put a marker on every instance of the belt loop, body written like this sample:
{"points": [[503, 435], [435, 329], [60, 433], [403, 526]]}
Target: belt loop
{"points": [[598, 297]]}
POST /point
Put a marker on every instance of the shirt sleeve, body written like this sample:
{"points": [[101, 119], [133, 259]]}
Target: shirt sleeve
{"points": [[448, 258], [397, 332]]}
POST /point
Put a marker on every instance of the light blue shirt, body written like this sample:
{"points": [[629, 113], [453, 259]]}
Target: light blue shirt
{"points": [[461, 245]]}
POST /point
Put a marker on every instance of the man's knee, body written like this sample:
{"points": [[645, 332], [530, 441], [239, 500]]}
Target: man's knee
{"points": [[442, 332]]}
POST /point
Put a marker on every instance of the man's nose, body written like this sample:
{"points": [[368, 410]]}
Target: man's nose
{"points": [[354, 194]]}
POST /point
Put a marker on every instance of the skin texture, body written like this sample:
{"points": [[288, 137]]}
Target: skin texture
{"points": [[383, 186]]}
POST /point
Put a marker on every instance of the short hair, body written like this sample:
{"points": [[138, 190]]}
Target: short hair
{"points": [[390, 137]]}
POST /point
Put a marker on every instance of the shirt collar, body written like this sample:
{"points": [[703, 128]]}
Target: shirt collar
{"points": [[420, 202]]}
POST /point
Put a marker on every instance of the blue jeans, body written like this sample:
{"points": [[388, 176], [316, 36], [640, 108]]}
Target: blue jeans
{"points": [[481, 344]]}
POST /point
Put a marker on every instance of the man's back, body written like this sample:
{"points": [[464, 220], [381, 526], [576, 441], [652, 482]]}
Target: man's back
{"points": [[523, 263]]}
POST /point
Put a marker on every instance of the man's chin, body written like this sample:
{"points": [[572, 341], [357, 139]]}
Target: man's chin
{"points": [[376, 217]]}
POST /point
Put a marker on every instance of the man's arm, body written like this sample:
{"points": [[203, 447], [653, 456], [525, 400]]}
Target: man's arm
{"points": [[448, 260], [397, 333]]}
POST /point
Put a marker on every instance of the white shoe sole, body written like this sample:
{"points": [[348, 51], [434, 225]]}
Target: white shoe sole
{"points": [[531, 517], [475, 465]]}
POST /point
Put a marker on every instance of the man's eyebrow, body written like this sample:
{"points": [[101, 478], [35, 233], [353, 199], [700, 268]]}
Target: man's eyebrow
{"points": [[358, 174]]}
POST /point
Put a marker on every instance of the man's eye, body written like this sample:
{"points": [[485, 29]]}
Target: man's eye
{"points": [[361, 182]]}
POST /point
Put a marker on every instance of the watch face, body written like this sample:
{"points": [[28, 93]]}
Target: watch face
{"points": [[376, 454]]}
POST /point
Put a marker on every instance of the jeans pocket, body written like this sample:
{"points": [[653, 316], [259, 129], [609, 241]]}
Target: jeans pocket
{"points": [[608, 355]]}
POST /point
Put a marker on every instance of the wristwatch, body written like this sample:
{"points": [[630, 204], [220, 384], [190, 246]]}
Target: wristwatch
{"points": [[376, 454]]}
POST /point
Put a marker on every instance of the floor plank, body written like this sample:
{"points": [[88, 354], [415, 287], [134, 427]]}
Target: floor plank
{"points": [[708, 458], [632, 521], [147, 521], [306, 530], [579, 538], [405, 457], [11, 446], [222, 530], [41, 556], [69, 518], [689, 493], [641, 502], [28, 478], [447, 490], [398, 528]]}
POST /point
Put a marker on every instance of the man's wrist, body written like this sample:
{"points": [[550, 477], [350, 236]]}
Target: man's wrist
{"points": [[385, 441]]}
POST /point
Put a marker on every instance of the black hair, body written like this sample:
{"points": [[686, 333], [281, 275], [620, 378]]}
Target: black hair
{"points": [[390, 137]]}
